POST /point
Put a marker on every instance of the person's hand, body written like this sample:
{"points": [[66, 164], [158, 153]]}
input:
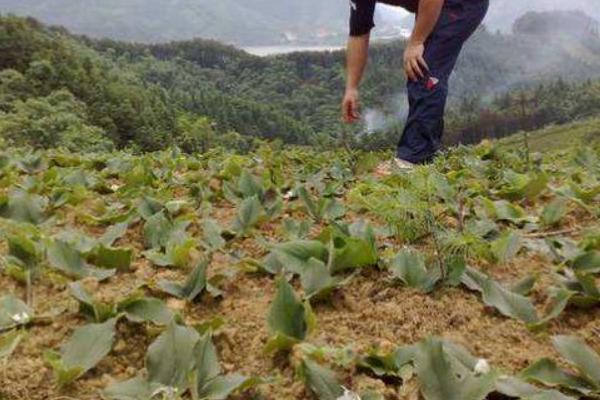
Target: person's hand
{"points": [[415, 65], [351, 106]]}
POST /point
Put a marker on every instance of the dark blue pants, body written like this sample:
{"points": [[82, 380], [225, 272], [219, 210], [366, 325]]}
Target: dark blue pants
{"points": [[422, 136]]}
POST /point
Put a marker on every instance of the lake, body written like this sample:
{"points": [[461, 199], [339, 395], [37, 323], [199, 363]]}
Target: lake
{"points": [[263, 51]]}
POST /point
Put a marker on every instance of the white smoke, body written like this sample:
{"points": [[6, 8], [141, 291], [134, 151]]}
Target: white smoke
{"points": [[377, 120]]}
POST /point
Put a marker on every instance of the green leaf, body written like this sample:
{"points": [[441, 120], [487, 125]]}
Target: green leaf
{"points": [[88, 306], [322, 381], [440, 380], [524, 286], [206, 362], [555, 211], [177, 254], [249, 186], [505, 211], [83, 350], [516, 388], [68, 260], [148, 207], [578, 353], [294, 255], [133, 389], [248, 216], [287, 319], [351, 250], [212, 234], [119, 259], [508, 303], [171, 358], [146, 309], [547, 373], [316, 279], [588, 262], [191, 288], [24, 250], [159, 230], [507, 246], [13, 312], [409, 267], [311, 207], [9, 342], [523, 186], [559, 301], [24, 207], [221, 387], [113, 233]]}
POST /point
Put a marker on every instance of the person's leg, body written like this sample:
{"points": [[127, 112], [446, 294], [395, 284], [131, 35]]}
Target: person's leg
{"points": [[424, 127]]}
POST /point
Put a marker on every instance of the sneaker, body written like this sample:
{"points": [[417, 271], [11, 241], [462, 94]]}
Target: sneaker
{"points": [[394, 166], [403, 165]]}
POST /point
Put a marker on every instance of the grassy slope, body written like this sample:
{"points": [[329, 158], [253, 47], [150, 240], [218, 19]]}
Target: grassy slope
{"points": [[559, 136]]}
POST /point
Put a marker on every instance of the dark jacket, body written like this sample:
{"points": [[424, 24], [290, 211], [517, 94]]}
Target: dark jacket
{"points": [[362, 13]]}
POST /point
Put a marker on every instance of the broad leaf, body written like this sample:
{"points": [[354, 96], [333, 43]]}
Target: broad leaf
{"points": [[9, 342], [221, 387], [316, 279], [177, 254], [159, 230], [288, 318], [507, 246], [440, 380], [170, 358], [134, 389], [13, 312], [113, 258], [522, 186], [191, 288], [508, 303], [249, 214], [409, 267], [84, 349], [588, 262], [71, 262], [95, 310], [23, 207], [113, 233], [578, 353], [516, 388], [546, 372], [555, 211], [322, 381], [294, 256], [146, 309]]}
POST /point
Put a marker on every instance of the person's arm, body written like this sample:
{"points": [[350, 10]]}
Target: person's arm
{"points": [[428, 15], [357, 54], [361, 22]]}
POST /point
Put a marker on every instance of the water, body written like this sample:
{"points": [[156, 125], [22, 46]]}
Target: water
{"points": [[263, 51]]}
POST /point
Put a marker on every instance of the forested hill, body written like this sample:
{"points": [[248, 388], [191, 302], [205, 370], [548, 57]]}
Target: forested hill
{"points": [[54, 86], [248, 22]]}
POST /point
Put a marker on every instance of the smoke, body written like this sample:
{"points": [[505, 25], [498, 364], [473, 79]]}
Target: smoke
{"points": [[380, 119]]}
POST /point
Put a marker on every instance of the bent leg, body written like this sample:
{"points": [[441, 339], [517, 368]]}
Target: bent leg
{"points": [[424, 128]]}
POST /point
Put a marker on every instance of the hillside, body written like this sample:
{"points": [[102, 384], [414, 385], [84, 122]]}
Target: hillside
{"points": [[248, 22], [200, 93], [245, 23]]}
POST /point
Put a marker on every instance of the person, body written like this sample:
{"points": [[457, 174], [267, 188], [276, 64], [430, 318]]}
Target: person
{"points": [[441, 29]]}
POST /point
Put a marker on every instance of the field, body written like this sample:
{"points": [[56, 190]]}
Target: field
{"points": [[297, 274]]}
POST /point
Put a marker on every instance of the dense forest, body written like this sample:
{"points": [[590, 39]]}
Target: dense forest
{"points": [[57, 89]]}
